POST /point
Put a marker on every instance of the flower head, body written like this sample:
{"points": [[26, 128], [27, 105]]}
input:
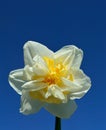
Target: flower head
{"points": [[50, 79]]}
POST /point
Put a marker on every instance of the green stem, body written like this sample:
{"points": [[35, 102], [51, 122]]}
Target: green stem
{"points": [[57, 123]]}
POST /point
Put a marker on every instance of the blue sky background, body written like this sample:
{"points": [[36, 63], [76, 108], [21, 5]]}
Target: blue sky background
{"points": [[54, 23]]}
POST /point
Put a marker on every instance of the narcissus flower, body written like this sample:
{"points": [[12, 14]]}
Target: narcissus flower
{"points": [[50, 79]]}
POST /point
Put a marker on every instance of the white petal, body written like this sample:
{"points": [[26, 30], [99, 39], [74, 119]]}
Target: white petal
{"points": [[77, 95], [82, 79], [56, 92], [29, 105], [63, 110], [71, 56], [31, 49], [34, 85], [48, 94], [39, 67], [77, 57], [16, 80], [28, 72], [79, 87], [70, 86]]}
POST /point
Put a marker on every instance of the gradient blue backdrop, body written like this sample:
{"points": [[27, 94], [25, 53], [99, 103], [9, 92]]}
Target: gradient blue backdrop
{"points": [[54, 23]]}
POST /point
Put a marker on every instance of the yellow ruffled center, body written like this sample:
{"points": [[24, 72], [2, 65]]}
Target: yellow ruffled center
{"points": [[56, 71]]}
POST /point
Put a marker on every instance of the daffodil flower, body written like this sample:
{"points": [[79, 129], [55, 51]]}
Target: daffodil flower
{"points": [[50, 79]]}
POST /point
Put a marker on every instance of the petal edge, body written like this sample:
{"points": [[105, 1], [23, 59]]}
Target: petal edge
{"points": [[16, 80], [63, 110]]}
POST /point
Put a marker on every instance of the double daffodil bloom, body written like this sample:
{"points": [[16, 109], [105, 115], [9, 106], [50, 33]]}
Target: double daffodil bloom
{"points": [[50, 79]]}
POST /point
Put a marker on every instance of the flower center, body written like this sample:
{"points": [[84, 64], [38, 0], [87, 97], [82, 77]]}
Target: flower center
{"points": [[56, 71]]}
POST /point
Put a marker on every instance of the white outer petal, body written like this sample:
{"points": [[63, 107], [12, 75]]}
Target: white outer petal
{"points": [[70, 86], [29, 105], [77, 95], [82, 79], [16, 80], [34, 85], [39, 67], [79, 87], [31, 49], [70, 56], [28, 72], [63, 110]]}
